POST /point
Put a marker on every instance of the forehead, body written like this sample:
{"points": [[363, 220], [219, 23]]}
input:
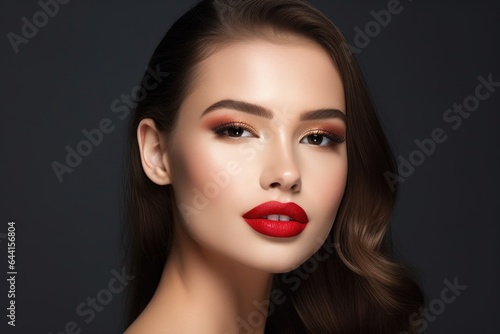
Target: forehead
{"points": [[296, 73]]}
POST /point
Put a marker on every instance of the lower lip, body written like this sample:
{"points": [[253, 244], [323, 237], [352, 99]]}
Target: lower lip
{"points": [[274, 228]]}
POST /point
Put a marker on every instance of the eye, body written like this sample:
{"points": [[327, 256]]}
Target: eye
{"points": [[322, 138], [234, 130]]}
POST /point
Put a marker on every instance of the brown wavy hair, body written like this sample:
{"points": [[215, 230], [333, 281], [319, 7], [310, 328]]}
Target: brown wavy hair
{"points": [[359, 287]]}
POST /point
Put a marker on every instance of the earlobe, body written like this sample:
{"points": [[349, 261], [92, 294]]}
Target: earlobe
{"points": [[153, 152]]}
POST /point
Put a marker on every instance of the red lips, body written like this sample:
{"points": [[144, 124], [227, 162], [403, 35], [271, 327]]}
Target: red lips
{"points": [[258, 219]]}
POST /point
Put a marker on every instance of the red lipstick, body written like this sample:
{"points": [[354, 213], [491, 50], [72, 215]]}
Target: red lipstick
{"points": [[275, 219]]}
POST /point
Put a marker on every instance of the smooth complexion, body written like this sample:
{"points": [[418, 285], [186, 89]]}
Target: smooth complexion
{"points": [[269, 116]]}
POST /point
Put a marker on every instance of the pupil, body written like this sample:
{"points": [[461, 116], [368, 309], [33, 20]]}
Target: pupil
{"points": [[315, 139], [235, 132]]}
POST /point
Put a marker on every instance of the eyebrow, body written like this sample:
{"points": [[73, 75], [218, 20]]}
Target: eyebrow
{"points": [[261, 111]]}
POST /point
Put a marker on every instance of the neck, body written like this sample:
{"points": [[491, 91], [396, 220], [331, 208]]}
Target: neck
{"points": [[204, 292]]}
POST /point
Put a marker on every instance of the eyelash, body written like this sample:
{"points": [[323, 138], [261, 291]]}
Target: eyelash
{"points": [[333, 137], [219, 131]]}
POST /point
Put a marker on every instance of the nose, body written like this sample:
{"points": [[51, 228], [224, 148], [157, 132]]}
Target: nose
{"points": [[280, 170]]}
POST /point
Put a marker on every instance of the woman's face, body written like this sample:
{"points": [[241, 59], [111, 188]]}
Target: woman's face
{"points": [[277, 136]]}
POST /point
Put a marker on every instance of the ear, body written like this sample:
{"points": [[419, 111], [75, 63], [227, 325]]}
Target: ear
{"points": [[153, 152]]}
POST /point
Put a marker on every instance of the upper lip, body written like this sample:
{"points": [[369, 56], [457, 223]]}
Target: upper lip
{"points": [[292, 210]]}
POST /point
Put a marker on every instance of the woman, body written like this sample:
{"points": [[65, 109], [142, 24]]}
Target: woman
{"points": [[256, 197]]}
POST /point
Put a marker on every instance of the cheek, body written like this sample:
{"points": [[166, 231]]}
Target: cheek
{"points": [[331, 184], [192, 169], [204, 174], [325, 184]]}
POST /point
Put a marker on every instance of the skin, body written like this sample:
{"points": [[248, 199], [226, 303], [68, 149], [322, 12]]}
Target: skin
{"points": [[219, 267]]}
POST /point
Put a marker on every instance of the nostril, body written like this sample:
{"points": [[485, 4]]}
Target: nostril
{"points": [[275, 185]]}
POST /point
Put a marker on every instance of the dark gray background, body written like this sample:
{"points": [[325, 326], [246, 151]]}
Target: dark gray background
{"points": [[63, 81]]}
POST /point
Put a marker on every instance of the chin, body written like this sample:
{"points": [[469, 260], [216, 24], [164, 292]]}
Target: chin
{"points": [[275, 263]]}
